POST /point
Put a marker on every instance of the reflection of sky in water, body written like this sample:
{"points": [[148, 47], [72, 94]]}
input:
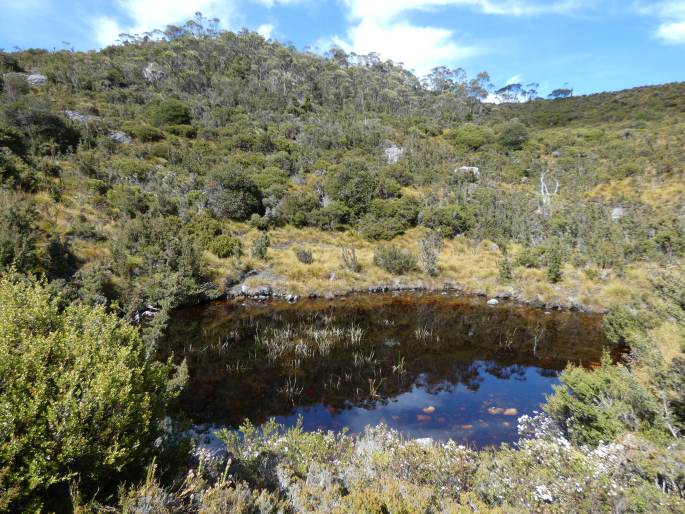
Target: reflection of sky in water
{"points": [[481, 417]]}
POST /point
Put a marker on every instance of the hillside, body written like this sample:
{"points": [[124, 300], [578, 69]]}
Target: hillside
{"points": [[169, 172]]}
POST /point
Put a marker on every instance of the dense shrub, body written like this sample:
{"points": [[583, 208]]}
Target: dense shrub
{"points": [[395, 260], [513, 135], [448, 221], [388, 218], [17, 233], [145, 133], [431, 244], [170, 112], [233, 195], [473, 136], [224, 246], [304, 256], [597, 405], [260, 246], [79, 402], [354, 186]]}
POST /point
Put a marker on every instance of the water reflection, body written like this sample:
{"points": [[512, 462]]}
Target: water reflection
{"points": [[428, 365]]}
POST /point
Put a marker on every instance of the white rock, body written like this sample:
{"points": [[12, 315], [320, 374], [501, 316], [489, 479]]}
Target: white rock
{"points": [[472, 172], [120, 137], [36, 79], [80, 117], [393, 154], [493, 301], [617, 213], [424, 441], [153, 72]]}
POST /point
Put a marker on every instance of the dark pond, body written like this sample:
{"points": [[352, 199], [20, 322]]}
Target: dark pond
{"points": [[428, 365]]}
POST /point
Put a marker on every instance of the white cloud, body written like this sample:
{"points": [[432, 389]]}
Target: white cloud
{"points": [[148, 15], [418, 48], [266, 30], [672, 15], [382, 26], [516, 79], [386, 9], [672, 32]]}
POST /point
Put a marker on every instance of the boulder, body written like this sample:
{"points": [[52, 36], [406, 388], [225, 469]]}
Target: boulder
{"points": [[80, 117], [425, 442], [617, 213], [120, 137], [36, 79], [153, 72], [472, 173], [493, 301], [393, 154]]}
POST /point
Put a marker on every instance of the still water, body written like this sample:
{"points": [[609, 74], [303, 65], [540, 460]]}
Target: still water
{"points": [[429, 365]]}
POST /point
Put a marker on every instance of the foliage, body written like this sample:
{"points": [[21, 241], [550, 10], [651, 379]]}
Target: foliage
{"points": [[448, 221], [597, 405], [349, 259], [224, 246], [395, 260], [513, 135], [82, 374], [261, 245], [304, 256], [170, 112], [430, 244], [233, 195]]}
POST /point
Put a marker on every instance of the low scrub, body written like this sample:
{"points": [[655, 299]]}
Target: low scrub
{"points": [[394, 260]]}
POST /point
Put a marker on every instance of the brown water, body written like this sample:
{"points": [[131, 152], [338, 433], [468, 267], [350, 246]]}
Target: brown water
{"points": [[429, 365]]}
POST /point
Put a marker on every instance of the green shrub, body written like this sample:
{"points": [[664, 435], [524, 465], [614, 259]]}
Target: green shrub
{"points": [[449, 220], [144, 133], [17, 232], [349, 259], [224, 246], [473, 136], [431, 245], [233, 195], [187, 131], [505, 271], [170, 112], [261, 246], [304, 256], [388, 218], [513, 135], [354, 186], [79, 402], [12, 139], [529, 257], [554, 265], [598, 405], [394, 260]]}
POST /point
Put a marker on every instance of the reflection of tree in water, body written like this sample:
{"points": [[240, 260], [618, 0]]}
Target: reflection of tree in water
{"points": [[443, 344], [515, 371]]}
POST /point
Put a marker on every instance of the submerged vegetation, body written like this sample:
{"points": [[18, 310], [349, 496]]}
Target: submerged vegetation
{"points": [[164, 171]]}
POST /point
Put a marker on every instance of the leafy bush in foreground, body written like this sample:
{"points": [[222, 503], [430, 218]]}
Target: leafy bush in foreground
{"points": [[598, 405], [79, 402]]}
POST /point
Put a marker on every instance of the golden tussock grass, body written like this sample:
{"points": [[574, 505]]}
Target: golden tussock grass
{"points": [[471, 265]]}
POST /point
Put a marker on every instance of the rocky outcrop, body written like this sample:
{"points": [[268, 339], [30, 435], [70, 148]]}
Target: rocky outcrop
{"points": [[470, 173], [79, 117], [393, 154], [120, 137], [153, 72], [36, 79]]}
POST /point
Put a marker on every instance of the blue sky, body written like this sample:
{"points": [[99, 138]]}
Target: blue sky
{"points": [[590, 45]]}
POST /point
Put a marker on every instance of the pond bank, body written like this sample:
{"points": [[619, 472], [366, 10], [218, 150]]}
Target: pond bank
{"points": [[261, 287]]}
